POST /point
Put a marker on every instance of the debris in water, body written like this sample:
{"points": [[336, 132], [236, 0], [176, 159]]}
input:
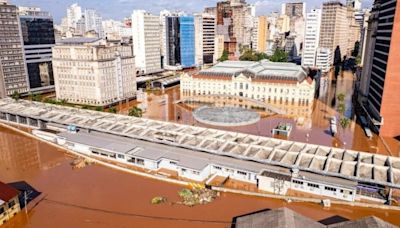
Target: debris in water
{"points": [[197, 196], [158, 200], [80, 163]]}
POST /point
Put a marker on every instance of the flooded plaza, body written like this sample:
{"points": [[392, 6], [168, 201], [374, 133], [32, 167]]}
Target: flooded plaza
{"points": [[97, 196], [310, 122]]}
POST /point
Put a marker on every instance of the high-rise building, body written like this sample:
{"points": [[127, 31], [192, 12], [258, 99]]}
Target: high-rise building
{"points": [[234, 20], [93, 71], [180, 38], [311, 39], [294, 9], [38, 37], [382, 102], [260, 34], [146, 42], [187, 38], [13, 76], [93, 22], [356, 4], [74, 14], [218, 47], [204, 38], [334, 27]]}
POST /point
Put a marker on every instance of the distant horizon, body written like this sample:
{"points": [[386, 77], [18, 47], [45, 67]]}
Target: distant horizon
{"points": [[119, 9]]}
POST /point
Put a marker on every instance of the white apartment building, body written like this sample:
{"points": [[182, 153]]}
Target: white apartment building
{"points": [[324, 59], [218, 47], [311, 38], [74, 14], [93, 71], [273, 83], [93, 22], [146, 42], [205, 29]]}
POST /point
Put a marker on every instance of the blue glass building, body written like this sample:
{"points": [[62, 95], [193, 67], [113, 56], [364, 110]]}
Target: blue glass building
{"points": [[187, 45]]}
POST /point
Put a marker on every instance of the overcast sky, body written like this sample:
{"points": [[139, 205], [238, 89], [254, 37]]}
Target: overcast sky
{"points": [[118, 9]]}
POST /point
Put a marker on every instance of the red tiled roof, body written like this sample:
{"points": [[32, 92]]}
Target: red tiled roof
{"points": [[7, 192]]}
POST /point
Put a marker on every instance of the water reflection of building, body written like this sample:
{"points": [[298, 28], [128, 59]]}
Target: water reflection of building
{"points": [[278, 83], [18, 152]]}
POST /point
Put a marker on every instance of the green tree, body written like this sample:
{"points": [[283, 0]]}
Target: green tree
{"points": [[344, 122], [341, 97], [279, 56], [356, 49], [16, 96], [224, 56], [248, 55], [99, 109], [136, 112], [37, 97], [112, 110]]}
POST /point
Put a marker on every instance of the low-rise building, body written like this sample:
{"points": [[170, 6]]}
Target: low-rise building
{"points": [[93, 71], [9, 203], [324, 59], [273, 83]]}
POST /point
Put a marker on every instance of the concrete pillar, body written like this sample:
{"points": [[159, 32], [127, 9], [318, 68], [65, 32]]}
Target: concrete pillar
{"points": [[8, 116], [18, 119]]}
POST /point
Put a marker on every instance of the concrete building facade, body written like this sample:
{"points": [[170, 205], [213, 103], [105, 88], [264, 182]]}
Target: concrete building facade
{"points": [[13, 73], [324, 59], [93, 71], [311, 39], [205, 38], [146, 42], [334, 27], [383, 105], [38, 37]]}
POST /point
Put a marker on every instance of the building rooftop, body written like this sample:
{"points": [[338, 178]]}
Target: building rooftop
{"points": [[78, 40], [258, 70], [7, 192], [284, 218], [328, 161]]}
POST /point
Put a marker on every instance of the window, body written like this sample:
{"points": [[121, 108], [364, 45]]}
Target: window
{"points": [[242, 173], [11, 204], [330, 189], [195, 172], [217, 167], [172, 163], [312, 185], [121, 156], [140, 161], [298, 182]]}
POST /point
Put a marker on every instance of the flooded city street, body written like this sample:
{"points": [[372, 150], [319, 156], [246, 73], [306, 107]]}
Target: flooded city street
{"points": [[310, 123], [97, 196]]}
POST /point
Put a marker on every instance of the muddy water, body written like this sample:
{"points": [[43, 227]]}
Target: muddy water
{"points": [[97, 196]]}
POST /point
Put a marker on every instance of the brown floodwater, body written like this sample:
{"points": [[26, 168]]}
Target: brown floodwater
{"points": [[310, 124], [97, 196]]}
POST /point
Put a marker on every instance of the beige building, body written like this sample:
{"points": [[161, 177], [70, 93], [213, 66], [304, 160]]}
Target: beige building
{"points": [[260, 34], [274, 83], [204, 25], [9, 203], [334, 27], [219, 47], [93, 71], [354, 31], [13, 73]]}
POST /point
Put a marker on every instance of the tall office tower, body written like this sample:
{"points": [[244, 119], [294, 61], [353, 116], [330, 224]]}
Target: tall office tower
{"points": [[311, 39], [38, 36], [204, 25], [93, 71], [234, 21], [93, 22], [163, 15], [146, 42], [218, 47], [382, 102], [334, 26], [354, 31], [74, 14], [13, 76], [172, 46], [187, 38], [180, 46], [294, 9], [260, 34]]}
